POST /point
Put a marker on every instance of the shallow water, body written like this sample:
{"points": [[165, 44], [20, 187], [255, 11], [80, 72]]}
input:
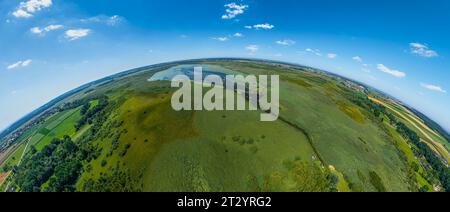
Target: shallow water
{"points": [[188, 70]]}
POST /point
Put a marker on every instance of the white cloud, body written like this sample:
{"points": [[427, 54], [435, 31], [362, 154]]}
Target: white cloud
{"points": [[26, 9], [15, 65], [314, 51], [332, 55], [75, 34], [20, 64], [248, 27], [238, 35], [395, 73], [38, 30], [261, 26], [286, 42], [422, 50], [53, 27], [21, 14], [222, 39], [357, 58], [114, 20], [252, 48], [108, 20], [234, 10], [26, 63], [433, 87]]}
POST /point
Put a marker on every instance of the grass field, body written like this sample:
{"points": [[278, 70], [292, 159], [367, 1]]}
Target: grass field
{"points": [[414, 120], [213, 144], [436, 142], [15, 157], [411, 159], [160, 137], [65, 125], [319, 133], [55, 126]]}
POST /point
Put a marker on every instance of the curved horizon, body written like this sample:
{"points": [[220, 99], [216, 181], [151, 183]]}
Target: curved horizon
{"points": [[52, 47], [147, 67]]}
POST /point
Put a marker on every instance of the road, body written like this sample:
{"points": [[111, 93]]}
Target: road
{"points": [[4, 176], [24, 151], [415, 118], [437, 146]]}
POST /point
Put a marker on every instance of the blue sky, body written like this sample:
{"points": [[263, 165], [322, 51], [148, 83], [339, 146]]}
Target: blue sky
{"points": [[49, 47]]}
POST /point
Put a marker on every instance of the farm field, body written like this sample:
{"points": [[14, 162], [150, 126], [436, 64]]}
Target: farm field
{"points": [[429, 136], [54, 127], [419, 124], [123, 135]]}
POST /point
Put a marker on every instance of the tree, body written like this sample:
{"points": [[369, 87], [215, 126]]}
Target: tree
{"points": [[85, 108]]}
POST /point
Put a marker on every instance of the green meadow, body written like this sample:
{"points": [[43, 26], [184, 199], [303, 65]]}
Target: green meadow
{"points": [[322, 141]]}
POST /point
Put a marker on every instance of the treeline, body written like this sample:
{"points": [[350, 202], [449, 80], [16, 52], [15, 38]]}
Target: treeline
{"points": [[81, 102], [89, 115], [442, 171], [116, 181], [59, 165], [433, 125], [423, 150], [54, 169], [362, 101]]}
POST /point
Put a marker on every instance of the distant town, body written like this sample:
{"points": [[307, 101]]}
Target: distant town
{"points": [[14, 137]]}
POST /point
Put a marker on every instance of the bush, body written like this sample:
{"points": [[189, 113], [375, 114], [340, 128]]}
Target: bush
{"points": [[124, 152], [376, 181]]}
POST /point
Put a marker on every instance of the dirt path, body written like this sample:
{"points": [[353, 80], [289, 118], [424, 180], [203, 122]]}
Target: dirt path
{"points": [[438, 147], [6, 154], [24, 151], [403, 116], [415, 118], [3, 177], [80, 133]]}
